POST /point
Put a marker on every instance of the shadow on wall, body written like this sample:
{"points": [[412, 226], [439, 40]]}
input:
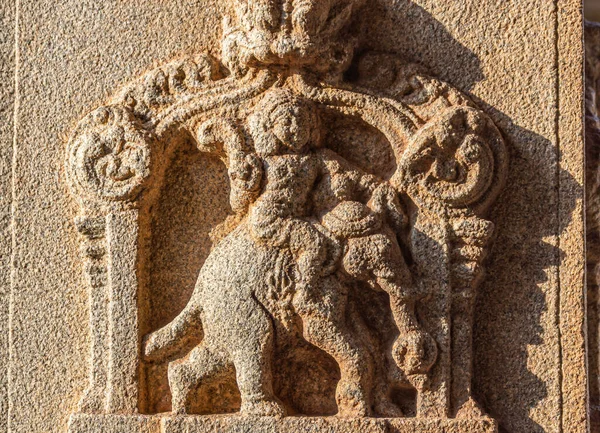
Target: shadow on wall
{"points": [[512, 305], [592, 10], [515, 310]]}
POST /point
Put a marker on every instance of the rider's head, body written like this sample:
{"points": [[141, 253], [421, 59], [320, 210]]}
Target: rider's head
{"points": [[284, 123]]}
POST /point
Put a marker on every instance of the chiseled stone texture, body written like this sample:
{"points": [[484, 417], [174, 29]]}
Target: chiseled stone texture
{"points": [[7, 99], [592, 147], [227, 424], [106, 256]]}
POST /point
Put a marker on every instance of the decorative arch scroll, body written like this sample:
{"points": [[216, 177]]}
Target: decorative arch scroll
{"points": [[450, 162]]}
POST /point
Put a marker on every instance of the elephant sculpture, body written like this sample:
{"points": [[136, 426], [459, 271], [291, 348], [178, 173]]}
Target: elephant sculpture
{"points": [[347, 234]]}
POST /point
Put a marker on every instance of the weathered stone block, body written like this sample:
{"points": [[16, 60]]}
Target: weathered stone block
{"points": [[305, 216], [237, 424]]}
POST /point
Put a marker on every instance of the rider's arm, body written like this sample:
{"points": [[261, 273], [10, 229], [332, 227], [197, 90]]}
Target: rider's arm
{"points": [[347, 181]]}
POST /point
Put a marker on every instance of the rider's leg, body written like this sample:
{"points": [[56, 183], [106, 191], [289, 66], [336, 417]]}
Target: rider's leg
{"points": [[309, 248], [378, 259]]}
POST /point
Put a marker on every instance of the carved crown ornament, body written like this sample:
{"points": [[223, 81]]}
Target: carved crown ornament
{"points": [[377, 268]]}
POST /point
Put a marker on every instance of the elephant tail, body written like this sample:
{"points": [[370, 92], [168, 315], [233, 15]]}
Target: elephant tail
{"points": [[185, 330]]}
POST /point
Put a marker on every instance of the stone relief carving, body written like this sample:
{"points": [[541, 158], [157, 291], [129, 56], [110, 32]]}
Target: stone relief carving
{"points": [[378, 268]]}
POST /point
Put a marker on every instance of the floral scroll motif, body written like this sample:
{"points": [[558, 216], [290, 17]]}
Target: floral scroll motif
{"points": [[452, 160], [110, 155]]}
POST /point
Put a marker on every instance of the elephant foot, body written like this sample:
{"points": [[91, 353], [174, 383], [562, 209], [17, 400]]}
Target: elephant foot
{"points": [[385, 408], [178, 404], [351, 400], [415, 352], [271, 408]]}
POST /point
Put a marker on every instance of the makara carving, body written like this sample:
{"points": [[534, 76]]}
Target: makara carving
{"points": [[357, 220]]}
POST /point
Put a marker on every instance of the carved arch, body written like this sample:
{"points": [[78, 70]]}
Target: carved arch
{"points": [[451, 160]]}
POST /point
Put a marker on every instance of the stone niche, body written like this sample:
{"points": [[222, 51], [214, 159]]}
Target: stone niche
{"points": [[294, 216]]}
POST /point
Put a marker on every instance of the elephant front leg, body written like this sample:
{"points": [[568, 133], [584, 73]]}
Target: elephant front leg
{"points": [[415, 351], [324, 325], [377, 260]]}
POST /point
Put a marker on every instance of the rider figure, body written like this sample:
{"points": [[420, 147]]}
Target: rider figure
{"points": [[301, 180]]}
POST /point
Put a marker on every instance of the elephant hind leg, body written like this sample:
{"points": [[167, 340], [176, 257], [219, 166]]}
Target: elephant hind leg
{"points": [[200, 367], [252, 357]]}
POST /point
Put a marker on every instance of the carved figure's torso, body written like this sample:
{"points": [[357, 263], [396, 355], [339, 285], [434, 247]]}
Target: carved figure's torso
{"points": [[289, 181]]}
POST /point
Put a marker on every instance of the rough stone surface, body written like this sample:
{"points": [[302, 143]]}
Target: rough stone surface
{"points": [[7, 100], [592, 137], [210, 424], [332, 215]]}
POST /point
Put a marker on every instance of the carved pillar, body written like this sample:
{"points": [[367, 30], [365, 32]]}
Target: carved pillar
{"points": [[108, 165], [430, 240], [94, 252], [452, 169], [122, 234]]}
